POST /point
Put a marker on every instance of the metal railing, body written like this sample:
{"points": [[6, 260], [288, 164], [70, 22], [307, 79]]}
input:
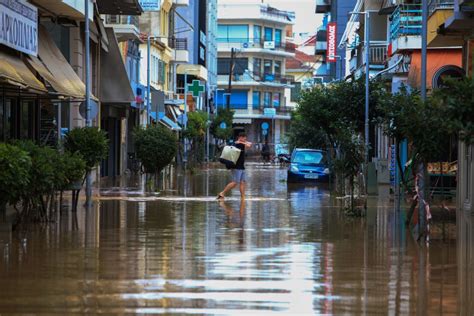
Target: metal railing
{"points": [[178, 43], [378, 54], [122, 19], [272, 12], [258, 43], [405, 21], [434, 5]]}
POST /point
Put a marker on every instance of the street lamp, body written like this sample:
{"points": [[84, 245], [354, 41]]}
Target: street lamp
{"points": [[367, 84]]}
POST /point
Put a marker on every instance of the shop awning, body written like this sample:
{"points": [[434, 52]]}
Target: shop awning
{"points": [[197, 71], [123, 7], [170, 124], [55, 69], [115, 86], [436, 59], [15, 72]]}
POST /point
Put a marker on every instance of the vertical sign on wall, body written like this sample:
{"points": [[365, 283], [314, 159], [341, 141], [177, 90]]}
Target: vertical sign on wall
{"points": [[331, 42]]}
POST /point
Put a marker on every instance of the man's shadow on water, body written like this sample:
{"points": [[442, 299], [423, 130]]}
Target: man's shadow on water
{"points": [[234, 221]]}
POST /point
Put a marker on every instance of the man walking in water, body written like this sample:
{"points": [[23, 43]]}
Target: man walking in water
{"points": [[238, 171]]}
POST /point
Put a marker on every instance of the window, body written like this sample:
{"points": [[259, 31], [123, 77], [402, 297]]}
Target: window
{"points": [[267, 66], [267, 99], [295, 92], [233, 33], [277, 69], [238, 99], [309, 157], [240, 65], [257, 33], [256, 99], [268, 34], [277, 38], [257, 66], [276, 100]]}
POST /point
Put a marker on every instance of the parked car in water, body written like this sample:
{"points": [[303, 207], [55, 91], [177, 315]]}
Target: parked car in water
{"points": [[308, 165]]}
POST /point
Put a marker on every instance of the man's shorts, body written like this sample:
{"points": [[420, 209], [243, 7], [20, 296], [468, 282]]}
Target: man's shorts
{"points": [[238, 175]]}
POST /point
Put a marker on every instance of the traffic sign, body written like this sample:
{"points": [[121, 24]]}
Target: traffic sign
{"points": [[196, 88], [265, 125], [94, 110], [223, 125], [183, 119], [265, 132]]}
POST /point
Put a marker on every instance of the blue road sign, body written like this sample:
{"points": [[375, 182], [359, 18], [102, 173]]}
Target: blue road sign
{"points": [[223, 125], [265, 132], [265, 126]]}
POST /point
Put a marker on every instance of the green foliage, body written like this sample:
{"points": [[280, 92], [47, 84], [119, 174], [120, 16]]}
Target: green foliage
{"points": [[90, 142], [73, 169], [197, 125], [45, 169], [424, 124], [457, 99], [223, 116], [15, 166], [156, 147]]}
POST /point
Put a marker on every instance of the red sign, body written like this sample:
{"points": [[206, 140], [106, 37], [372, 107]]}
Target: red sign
{"points": [[331, 42]]}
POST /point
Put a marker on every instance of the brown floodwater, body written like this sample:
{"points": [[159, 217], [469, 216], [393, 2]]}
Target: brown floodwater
{"points": [[286, 249]]}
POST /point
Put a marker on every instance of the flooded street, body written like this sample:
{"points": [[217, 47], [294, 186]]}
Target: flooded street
{"points": [[285, 249]]}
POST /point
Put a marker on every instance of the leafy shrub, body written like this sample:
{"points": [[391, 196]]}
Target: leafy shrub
{"points": [[223, 116], [90, 142], [15, 166], [72, 168], [156, 146]]}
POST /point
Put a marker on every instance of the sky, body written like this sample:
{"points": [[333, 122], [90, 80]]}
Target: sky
{"points": [[306, 19]]}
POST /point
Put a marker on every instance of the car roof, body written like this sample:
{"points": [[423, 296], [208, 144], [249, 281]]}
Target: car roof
{"points": [[307, 149]]}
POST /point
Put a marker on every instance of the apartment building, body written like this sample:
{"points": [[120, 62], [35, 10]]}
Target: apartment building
{"points": [[254, 39]]}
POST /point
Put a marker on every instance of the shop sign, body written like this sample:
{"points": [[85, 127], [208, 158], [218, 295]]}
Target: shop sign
{"points": [[150, 5], [331, 42], [19, 26]]}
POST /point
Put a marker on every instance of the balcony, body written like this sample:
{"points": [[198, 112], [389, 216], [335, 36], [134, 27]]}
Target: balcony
{"points": [[180, 46], [405, 27], [278, 15], [439, 12], [257, 78], [257, 45], [321, 42], [126, 27], [378, 54], [323, 6], [181, 3]]}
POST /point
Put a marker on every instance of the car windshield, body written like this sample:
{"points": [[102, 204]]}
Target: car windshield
{"points": [[308, 157]]}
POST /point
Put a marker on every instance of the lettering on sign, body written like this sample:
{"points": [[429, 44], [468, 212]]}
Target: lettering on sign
{"points": [[19, 26], [331, 42]]}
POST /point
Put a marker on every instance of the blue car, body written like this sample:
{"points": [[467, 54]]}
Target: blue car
{"points": [[308, 165]]}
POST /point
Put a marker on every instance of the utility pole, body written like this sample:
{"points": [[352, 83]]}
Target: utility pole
{"points": [[367, 91], [148, 79], [421, 167], [87, 96], [231, 72]]}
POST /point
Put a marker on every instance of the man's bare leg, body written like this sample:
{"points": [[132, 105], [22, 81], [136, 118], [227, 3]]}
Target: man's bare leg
{"points": [[242, 190]]}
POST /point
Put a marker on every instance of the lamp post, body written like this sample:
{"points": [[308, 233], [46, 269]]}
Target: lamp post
{"points": [[87, 96], [367, 86]]}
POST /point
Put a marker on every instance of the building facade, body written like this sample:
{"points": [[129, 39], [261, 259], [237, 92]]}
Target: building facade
{"points": [[252, 50]]}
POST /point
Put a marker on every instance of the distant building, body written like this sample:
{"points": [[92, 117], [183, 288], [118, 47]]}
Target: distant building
{"points": [[258, 35], [303, 68]]}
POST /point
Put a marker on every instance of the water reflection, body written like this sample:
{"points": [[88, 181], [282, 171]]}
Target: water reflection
{"points": [[285, 249]]}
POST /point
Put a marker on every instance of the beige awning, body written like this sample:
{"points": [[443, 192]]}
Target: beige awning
{"points": [[15, 72], [198, 71], [54, 68], [115, 86]]}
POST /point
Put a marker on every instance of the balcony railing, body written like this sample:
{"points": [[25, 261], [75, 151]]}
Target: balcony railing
{"points": [[272, 77], [378, 55], [405, 21], [122, 19], [259, 43], [178, 43], [440, 4], [274, 13]]}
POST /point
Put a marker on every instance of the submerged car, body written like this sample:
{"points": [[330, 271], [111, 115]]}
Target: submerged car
{"points": [[308, 165]]}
